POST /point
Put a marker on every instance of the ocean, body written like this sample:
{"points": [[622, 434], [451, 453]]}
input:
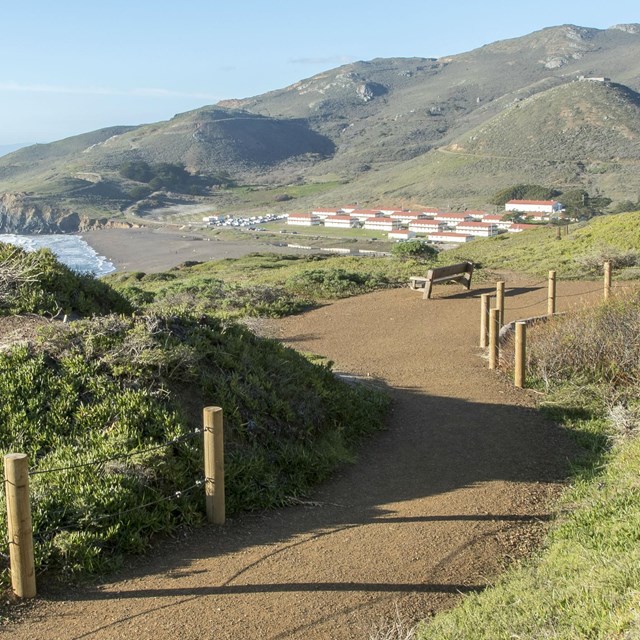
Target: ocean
{"points": [[72, 251]]}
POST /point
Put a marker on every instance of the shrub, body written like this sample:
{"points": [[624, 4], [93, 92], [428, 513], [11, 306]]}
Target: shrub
{"points": [[594, 261], [336, 282], [37, 283], [595, 346], [415, 249], [117, 389]]}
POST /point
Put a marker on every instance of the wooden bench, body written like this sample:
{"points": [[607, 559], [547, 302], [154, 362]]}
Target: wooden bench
{"points": [[457, 272]]}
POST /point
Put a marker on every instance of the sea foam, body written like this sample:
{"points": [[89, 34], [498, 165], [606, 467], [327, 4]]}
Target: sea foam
{"points": [[73, 251]]}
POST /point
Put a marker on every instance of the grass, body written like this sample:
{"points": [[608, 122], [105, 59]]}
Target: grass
{"points": [[585, 582], [265, 284], [538, 251]]}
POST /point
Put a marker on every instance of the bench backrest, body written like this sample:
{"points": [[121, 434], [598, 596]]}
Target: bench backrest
{"points": [[450, 270]]}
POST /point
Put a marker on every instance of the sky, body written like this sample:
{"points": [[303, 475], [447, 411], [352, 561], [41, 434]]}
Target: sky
{"points": [[69, 67]]}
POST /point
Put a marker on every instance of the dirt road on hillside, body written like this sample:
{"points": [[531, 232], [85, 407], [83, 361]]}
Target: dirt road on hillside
{"points": [[458, 484]]}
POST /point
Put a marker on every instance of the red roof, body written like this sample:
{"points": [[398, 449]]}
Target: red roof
{"points": [[301, 215], [428, 223], [361, 211], [524, 226], [380, 219], [497, 218], [450, 216]]}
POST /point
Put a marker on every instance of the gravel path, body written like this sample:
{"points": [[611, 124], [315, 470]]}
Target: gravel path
{"points": [[457, 486]]}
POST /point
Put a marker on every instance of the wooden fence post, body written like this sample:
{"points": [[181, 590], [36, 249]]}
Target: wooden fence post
{"points": [[214, 464], [485, 303], [607, 280], [20, 530], [551, 297], [500, 300], [520, 355], [494, 334]]}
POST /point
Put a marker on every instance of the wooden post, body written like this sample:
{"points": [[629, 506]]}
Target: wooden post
{"points": [[494, 343], [551, 297], [607, 280], [214, 464], [521, 355], [500, 300], [485, 303], [16, 487]]}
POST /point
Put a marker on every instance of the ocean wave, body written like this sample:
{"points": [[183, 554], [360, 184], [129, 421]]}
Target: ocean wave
{"points": [[73, 251]]}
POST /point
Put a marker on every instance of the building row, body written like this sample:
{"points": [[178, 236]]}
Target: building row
{"points": [[401, 225]]}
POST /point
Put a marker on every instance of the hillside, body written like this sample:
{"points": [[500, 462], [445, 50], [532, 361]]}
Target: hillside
{"points": [[577, 135], [376, 125]]}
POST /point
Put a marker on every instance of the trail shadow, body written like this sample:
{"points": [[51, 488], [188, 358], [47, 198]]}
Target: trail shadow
{"points": [[435, 445], [477, 292]]}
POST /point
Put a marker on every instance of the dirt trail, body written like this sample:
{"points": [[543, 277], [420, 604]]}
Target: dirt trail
{"points": [[459, 483]]}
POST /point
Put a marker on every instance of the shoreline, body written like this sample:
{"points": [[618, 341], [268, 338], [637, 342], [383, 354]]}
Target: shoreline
{"points": [[153, 250]]}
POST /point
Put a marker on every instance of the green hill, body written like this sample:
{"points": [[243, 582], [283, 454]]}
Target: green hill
{"points": [[573, 255], [445, 129]]}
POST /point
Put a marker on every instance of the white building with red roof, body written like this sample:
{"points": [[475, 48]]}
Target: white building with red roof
{"points": [[476, 214], [498, 220], [365, 214], [453, 219], [408, 216], [341, 221], [534, 206], [381, 224], [401, 234], [450, 237], [480, 229], [427, 226], [324, 213], [303, 219]]}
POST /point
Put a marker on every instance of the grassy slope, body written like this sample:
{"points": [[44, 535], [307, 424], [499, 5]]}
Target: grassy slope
{"points": [[117, 387], [538, 251], [585, 582]]}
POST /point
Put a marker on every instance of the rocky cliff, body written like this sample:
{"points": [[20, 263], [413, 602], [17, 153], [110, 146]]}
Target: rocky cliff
{"points": [[20, 213]]}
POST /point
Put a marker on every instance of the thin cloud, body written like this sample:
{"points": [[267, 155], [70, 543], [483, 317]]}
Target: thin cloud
{"points": [[326, 60], [149, 92]]}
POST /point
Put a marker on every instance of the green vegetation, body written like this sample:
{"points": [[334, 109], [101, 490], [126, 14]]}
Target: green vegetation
{"points": [[165, 175], [279, 284], [37, 283], [573, 255], [414, 249], [584, 583], [107, 407], [524, 192]]}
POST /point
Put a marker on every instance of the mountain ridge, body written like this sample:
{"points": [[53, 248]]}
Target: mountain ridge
{"points": [[346, 124]]}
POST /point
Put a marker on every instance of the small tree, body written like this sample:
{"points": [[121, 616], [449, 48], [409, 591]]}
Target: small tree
{"points": [[415, 249]]}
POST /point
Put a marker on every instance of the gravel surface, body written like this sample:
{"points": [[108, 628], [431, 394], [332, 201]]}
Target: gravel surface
{"points": [[458, 486]]}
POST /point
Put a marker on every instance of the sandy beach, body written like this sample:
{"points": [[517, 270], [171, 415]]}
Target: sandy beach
{"points": [[152, 250]]}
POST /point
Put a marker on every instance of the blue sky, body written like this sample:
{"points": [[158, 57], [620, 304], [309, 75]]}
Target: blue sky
{"points": [[70, 67]]}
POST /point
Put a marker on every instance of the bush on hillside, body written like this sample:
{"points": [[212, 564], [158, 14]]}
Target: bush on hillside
{"points": [[36, 282], [594, 262], [414, 249], [593, 346], [523, 192], [116, 389]]}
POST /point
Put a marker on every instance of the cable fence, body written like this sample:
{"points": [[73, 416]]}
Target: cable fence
{"points": [[74, 512], [491, 336]]}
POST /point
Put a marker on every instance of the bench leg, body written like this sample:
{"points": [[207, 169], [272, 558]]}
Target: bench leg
{"points": [[427, 290]]}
